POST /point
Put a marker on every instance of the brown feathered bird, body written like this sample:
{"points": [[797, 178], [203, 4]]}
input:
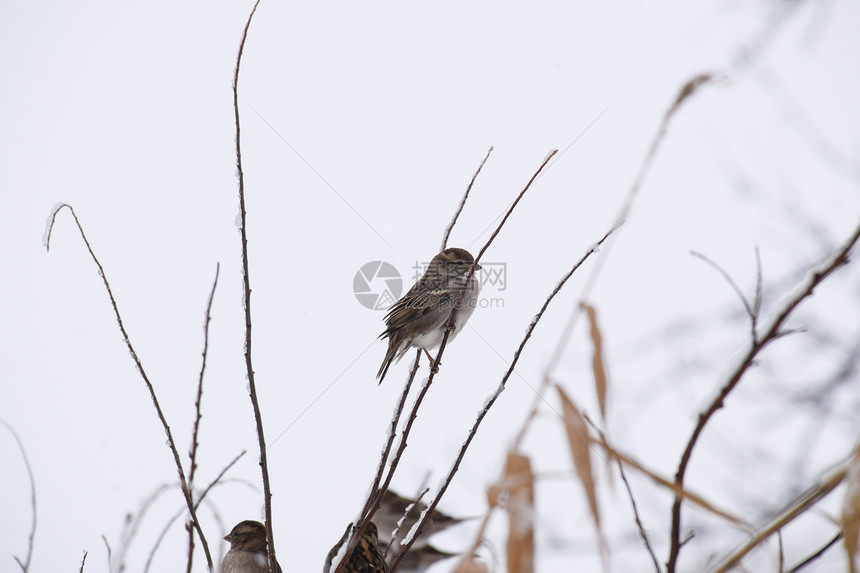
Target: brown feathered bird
{"points": [[420, 318], [367, 557], [248, 553]]}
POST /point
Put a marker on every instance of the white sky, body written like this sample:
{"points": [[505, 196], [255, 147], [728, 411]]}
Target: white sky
{"points": [[361, 126]]}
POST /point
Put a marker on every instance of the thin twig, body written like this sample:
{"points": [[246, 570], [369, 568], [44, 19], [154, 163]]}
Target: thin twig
{"points": [[197, 411], [186, 492], [817, 554], [751, 310], [83, 560], [197, 402], [246, 284], [781, 552], [25, 565], [416, 531], [107, 547], [463, 201], [133, 523], [176, 516], [638, 520], [774, 331], [510, 210]]}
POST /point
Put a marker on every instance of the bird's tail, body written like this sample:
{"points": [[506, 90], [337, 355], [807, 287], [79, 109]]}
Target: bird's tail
{"points": [[395, 351]]}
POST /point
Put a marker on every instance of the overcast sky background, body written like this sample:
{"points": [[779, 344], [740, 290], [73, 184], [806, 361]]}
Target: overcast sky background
{"points": [[362, 124]]}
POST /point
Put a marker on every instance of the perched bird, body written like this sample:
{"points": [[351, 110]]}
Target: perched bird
{"points": [[248, 552], [367, 557], [420, 318], [394, 507]]}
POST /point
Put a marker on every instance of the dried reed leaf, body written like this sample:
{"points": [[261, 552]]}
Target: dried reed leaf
{"points": [[578, 439], [851, 512], [471, 564], [598, 365], [519, 481]]}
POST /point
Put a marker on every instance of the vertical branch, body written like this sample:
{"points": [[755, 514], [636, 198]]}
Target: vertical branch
{"points": [[183, 482], [197, 411], [246, 284]]}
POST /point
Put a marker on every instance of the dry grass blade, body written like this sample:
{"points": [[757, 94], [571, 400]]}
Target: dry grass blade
{"points": [[597, 363], [670, 485], [850, 517], [579, 440], [799, 507], [519, 482]]}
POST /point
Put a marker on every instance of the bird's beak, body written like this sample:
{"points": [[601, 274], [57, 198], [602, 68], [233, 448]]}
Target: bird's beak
{"points": [[228, 538], [478, 267]]}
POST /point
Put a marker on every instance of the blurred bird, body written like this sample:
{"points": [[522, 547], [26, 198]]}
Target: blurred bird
{"points": [[420, 318], [420, 559], [367, 557], [394, 507], [248, 552]]}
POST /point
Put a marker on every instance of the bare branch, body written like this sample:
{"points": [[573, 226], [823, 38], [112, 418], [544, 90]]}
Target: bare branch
{"points": [[186, 492], [197, 411], [833, 541], [750, 309], [639, 525], [25, 565], [246, 283], [176, 516], [510, 210], [463, 201], [771, 333], [83, 560]]}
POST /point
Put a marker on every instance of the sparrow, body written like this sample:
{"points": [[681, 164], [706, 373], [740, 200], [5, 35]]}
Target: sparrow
{"points": [[367, 557], [248, 552], [420, 318], [393, 508]]}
